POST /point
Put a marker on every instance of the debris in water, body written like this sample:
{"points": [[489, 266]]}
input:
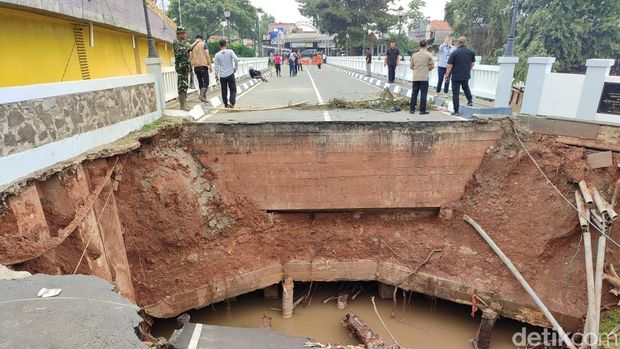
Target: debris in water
{"points": [[49, 292]]}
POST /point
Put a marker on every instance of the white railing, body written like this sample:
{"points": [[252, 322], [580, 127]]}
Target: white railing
{"points": [[483, 77], [170, 75]]}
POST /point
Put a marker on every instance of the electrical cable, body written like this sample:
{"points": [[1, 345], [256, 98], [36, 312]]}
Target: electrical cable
{"points": [[556, 189]]}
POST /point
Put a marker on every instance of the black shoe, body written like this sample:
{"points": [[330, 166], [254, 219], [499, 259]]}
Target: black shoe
{"points": [[424, 113], [412, 111], [456, 113], [470, 104], [228, 106]]}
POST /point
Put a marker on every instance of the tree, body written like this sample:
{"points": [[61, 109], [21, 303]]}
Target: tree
{"points": [[205, 17], [414, 15], [342, 17]]}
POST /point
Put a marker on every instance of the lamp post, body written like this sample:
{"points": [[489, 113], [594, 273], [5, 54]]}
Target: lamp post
{"points": [[227, 16], [365, 28], [400, 20], [149, 35], [348, 44], [511, 37]]}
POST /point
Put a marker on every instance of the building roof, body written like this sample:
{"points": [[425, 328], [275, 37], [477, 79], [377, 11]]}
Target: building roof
{"points": [[440, 25]]}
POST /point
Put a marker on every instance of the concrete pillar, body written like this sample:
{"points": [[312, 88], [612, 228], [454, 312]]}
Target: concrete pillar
{"points": [[386, 291], [504, 80], [538, 68], [271, 292], [597, 72], [287, 298], [153, 67]]}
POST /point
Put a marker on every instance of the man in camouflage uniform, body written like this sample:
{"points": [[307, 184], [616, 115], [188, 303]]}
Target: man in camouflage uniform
{"points": [[181, 64]]}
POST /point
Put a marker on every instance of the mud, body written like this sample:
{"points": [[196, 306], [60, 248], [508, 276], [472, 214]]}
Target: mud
{"points": [[184, 229]]}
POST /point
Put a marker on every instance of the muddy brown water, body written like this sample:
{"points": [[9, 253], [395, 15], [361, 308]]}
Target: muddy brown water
{"points": [[426, 324]]}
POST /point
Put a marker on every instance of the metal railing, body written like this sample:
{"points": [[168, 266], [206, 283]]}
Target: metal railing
{"points": [[483, 81], [170, 76]]}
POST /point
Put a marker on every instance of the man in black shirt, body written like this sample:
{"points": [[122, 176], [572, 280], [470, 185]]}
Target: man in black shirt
{"points": [[460, 64], [392, 60], [368, 62]]}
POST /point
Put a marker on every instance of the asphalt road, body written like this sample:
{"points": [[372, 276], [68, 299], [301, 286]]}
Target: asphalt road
{"points": [[313, 86]]}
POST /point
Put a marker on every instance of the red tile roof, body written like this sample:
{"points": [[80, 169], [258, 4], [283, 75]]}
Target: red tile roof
{"points": [[440, 25]]}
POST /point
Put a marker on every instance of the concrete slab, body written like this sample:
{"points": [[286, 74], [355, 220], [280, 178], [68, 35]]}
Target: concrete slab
{"points": [[199, 336], [601, 159], [570, 128], [87, 314], [469, 112]]}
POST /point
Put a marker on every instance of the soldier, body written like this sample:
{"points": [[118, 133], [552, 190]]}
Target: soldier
{"points": [[181, 64]]}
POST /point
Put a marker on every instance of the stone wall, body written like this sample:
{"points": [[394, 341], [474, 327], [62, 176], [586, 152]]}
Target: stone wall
{"points": [[28, 124]]}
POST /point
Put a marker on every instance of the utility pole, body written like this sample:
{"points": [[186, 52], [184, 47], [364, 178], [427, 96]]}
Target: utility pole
{"points": [[180, 22], [227, 15], [400, 20], [365, 28], [149, 35]]}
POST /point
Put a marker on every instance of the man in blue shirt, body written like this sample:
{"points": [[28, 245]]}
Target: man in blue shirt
{"points": [[445, 50], [460, 64]]}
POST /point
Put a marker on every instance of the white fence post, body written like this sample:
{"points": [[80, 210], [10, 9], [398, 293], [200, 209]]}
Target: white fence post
{"points": [[503, 90], [538, 68], [596, 74], [153, 67]]}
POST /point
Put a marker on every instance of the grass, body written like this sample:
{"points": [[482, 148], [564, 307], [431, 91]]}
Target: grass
{"points": [[610, 319], [153, 125]]}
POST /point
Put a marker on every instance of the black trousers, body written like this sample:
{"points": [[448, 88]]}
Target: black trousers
{"points": [[422, 88], [391, 72], [456, 90], [229, 82], [202, 73], [319, 65], [441, 74], [278, 69]]}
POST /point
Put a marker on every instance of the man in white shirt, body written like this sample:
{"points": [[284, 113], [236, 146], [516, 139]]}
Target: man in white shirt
{"points": [[445, 50], [226, 64]]}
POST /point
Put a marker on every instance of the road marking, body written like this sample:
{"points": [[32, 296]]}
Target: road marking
{"points": [[208, 115], [193, 342], [318, 96]]}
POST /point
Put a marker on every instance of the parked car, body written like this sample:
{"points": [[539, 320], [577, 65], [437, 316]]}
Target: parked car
{"points": [[310, 52]]}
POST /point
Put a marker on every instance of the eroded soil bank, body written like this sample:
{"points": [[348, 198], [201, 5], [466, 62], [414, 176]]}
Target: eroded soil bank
{"points": [[199, 213]]}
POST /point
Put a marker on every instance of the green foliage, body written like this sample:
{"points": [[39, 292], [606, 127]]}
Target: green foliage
{"points": [[569, 30], [240, 50], [348, 16], [609, 320], [205, 17], [414, 15]]}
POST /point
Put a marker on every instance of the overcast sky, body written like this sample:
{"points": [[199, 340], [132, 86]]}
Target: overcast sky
{"points": [[286, 10]]}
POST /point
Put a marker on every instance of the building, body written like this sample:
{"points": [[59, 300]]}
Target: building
{"points": [[63, 40], [309, 40], [427, 29]]}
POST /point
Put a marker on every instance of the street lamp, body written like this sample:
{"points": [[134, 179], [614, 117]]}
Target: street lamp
{"points": [[400, 20], [348, 45], [149, 35], [511, 37], [227, 16], [365, 28]]}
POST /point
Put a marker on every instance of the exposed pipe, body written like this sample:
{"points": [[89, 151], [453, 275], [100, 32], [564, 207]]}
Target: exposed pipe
{"points": [[585, 192], [522, 281], [584, 217], [598, 282]]}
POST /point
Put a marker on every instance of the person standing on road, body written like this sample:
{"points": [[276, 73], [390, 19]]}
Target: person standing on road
{"points": [[368, 62], [182, 66], [226, 64], [292, 64], [324, 57], [421, 64], [445, 50], [460, 64], [278, 62], [201, 61], [319, 60], [300, 63], [392, 60]]}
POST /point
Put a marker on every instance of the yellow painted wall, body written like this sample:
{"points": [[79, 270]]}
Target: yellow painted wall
{"points": [[38, 49]]}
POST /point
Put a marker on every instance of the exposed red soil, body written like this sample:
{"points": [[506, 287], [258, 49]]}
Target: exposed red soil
{"points": [[181, 229]]}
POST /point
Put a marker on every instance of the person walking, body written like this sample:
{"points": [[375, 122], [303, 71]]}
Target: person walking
{"points": [[182, 66], [459, 67], [226, 64], [278, 62], [324, 56], [392, 60], [421, 64], [201, 61], [292, 64], [300, 62], [445, 50], [368, 62], [319, 60]]}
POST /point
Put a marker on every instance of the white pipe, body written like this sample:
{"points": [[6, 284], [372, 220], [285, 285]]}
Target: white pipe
{"points": [[584, 217], [598, 284], [522, 281]]}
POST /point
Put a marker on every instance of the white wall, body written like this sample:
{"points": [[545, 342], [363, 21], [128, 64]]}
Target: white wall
{"points": [[561, 94]]}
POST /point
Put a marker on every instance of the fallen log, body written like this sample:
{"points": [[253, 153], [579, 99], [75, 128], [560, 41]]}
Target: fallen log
{"points": [[489, 316], [362, 332]]}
